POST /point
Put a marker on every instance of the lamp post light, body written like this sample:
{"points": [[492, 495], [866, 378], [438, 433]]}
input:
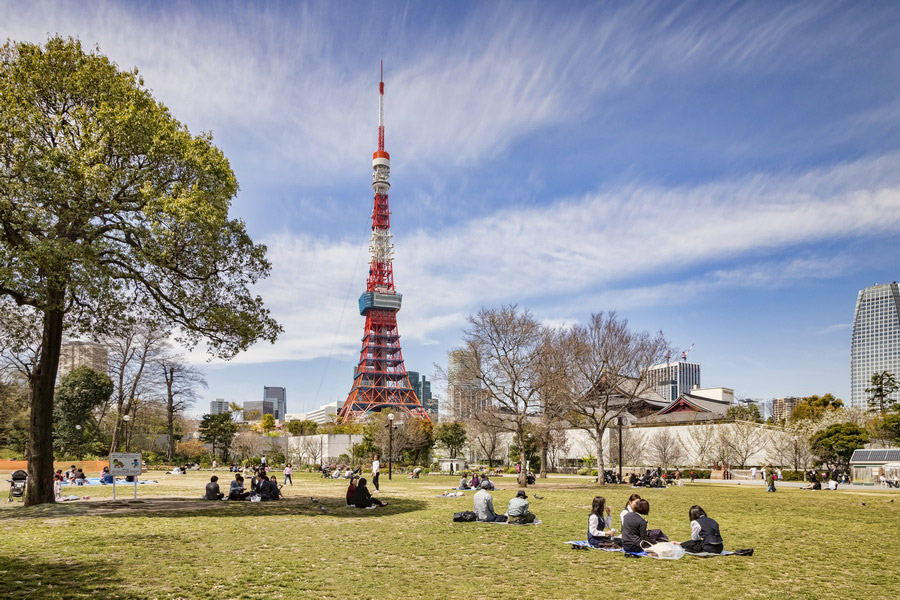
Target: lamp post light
{"points": [[126, 418], [621, 421], [390, 427]]}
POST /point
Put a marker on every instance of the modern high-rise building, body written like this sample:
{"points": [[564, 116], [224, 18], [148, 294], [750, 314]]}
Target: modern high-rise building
{"points": [[82, 354], [422, 387], [464, 393], [673, 379], [253, 411], [218, 406], [783, 407], [875, 346], [278, 397]]}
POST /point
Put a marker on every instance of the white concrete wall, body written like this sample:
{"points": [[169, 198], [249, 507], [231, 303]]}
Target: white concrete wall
{"points": [[331, 445]]}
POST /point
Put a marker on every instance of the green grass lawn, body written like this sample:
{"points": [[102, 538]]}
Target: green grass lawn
{"points": [[172, 545]]}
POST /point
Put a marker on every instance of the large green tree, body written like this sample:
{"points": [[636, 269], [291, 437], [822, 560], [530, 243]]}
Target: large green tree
{"points": [[80, 392], [110, 208], [835, 444], [813, 407], [883, 385], [451, 436], [218, 431]]}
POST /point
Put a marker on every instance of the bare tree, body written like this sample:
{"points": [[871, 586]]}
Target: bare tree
{"points": [[248, 444], [745, 439], [311, 448], [701, 439], [722, 453], [608, 366], [553, 396], [557, 446], [485, 437], [791, 447], [665, 448], [130, 354], [503, 351], [182, 386]]}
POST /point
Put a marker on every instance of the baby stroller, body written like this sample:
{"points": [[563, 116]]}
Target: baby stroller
{"points": [[17, 484]]}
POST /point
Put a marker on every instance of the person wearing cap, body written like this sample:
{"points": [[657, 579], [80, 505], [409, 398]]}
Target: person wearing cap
{"points": [[517, 510], [484, 506]]}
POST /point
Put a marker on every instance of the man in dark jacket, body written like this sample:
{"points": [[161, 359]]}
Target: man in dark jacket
{"points": [[212, 489]]}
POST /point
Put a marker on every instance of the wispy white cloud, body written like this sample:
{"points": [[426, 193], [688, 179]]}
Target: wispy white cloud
{"points": [[589, 247], [836, 328], [285, 85]]}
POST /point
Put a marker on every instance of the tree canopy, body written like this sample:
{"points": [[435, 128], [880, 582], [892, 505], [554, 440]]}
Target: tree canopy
{"points": [[452, 436], [112, 208], [79, 393], [813, 407], [218, 431], [835, 444], [883, 385]]}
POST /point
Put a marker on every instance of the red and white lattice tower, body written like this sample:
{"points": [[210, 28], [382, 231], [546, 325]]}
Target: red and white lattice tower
{"points": [[380, 380]]}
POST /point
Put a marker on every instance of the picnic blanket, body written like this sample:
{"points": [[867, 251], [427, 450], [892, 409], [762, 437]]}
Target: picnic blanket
{"points": [[584, 545], [96, 481], [535, 522]]}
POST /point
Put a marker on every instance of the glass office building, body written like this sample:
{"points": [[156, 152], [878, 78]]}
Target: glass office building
{"points": [[875, 346], [673, 379]]}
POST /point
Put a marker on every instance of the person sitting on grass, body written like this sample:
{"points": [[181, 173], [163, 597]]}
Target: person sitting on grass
{"points": [[484, 507], [476, 481], [629, 508], [274, 488], [634, 527], [600, 531], [105, 477], [490, 484], [80, 477], [705, 535], [236, 492], [463, 484], [212, 489], [517, 511], [814, 483], [351, 491], [362, 498]]}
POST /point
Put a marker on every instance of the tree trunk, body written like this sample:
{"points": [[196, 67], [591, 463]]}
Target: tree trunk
{"points": [[43, 380], [117, 430], [170, 415], [523, 471], [544, 459], [601, 480]]}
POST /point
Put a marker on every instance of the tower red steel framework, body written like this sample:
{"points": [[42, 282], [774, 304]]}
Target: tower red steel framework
{"points": [[380, 380]]}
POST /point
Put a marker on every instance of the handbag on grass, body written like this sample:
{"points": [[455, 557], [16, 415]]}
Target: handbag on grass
{"points": [[663, 549]]}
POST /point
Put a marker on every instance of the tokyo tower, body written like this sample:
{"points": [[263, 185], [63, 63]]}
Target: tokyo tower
{"points": [[380, 380]]}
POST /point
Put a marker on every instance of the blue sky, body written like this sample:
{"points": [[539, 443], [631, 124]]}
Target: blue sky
{"points": [[727, 173]]}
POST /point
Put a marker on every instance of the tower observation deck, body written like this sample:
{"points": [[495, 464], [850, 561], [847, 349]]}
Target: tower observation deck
{"points": [[380, 380]]}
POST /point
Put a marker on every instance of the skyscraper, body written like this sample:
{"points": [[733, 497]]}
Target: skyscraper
{"points": [[422, 387], [464, 393], [218, 406], [875, 346], [673, 379], [82, 354], [278, 397]]}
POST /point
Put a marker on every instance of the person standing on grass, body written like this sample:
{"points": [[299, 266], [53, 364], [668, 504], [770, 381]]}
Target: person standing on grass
{"points": [[287, 475], [770, 480], [376, 469]]}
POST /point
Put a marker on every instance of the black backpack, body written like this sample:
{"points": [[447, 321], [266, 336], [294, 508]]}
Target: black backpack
{"points": [[467, 516]]}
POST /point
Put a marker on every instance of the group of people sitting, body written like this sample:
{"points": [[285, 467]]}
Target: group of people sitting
{"points": [[705, 536], [517, 511], [340, 472], [73, 475], [477, 482], [262, 485], [358, 494]]}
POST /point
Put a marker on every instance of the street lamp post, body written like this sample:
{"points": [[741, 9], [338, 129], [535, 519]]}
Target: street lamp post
{"points": [[126, 418], [621, 420], [80, 442], [390, 445]]}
